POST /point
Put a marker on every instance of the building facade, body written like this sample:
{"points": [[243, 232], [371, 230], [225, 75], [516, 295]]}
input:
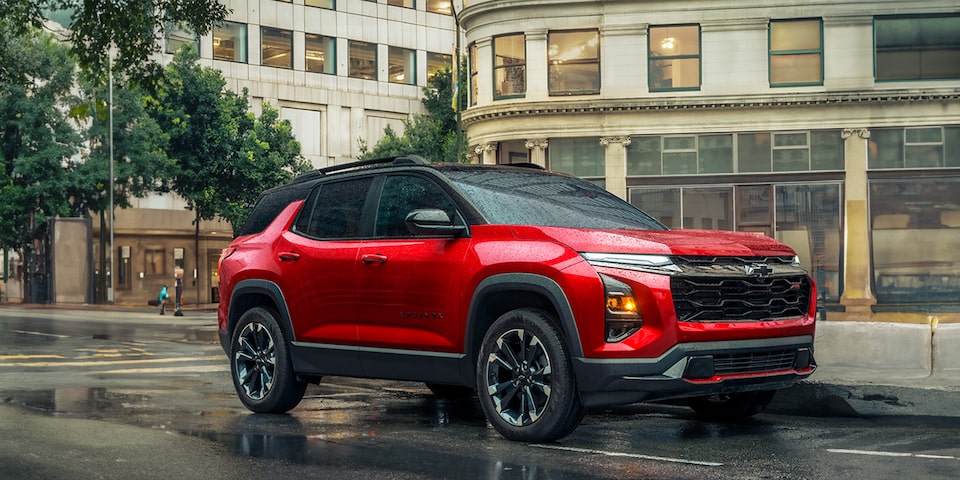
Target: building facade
{"points": [[832, 126]]}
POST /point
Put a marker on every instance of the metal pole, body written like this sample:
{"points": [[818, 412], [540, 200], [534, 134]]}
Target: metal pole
{"points": [[111, 184]]}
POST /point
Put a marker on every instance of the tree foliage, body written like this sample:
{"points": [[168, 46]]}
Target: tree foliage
{"points": [[38, 139], [435, 136], [133, 29], [223, 156]]}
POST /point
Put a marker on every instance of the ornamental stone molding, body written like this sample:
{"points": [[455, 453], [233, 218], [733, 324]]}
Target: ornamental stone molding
{"points": [[622, 140], [860, 132], [533, 143], [482, 148]]}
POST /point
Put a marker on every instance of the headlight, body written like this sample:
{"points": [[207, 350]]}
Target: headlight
{"points": [[648, 263], [622, 313]]}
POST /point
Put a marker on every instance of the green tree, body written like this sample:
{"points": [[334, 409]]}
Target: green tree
{"points": [[39, 141], [223, 156], [435, 135], [131, 28]]}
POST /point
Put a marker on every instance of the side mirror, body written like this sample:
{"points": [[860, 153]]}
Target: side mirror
{"points": [[433, 222]]}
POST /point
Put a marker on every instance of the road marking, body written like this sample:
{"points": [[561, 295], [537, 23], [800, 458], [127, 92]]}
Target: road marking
{"points": [[109, 362], [890, 454], [191, 369], [628, 455], [39, 334], [29, 357]]}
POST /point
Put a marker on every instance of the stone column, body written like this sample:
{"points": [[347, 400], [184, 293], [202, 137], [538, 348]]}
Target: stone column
{"points": [[486, 153], [615, 158], [538, 151], [857, 295]]}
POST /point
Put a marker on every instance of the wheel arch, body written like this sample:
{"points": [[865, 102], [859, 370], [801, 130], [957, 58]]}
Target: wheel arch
{"points": [[253, 293], [498, 294]]}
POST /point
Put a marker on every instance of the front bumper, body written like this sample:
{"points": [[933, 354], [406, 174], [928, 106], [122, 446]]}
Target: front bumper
{"points": [[697, 369]]}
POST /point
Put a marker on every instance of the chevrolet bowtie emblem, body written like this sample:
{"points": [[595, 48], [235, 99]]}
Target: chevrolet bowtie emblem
{"points": [[758, 269]]}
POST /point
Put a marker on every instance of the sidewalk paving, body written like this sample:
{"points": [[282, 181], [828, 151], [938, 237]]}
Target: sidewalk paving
{"points": [[834, 390]]}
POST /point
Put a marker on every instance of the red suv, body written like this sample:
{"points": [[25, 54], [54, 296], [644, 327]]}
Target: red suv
{"points": [[543, 293]]}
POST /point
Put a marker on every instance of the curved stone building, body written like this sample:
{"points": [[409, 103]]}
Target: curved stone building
{"points": [[832, 126]]}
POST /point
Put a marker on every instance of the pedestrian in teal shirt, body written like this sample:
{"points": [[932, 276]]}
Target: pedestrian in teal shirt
{"points": [[163, 299]]}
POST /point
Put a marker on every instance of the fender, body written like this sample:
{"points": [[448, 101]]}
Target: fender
{"points": [[240, 301], [524, 282]]}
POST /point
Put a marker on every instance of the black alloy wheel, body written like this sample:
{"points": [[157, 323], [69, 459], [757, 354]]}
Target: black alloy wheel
{"points": [[260, 364]]}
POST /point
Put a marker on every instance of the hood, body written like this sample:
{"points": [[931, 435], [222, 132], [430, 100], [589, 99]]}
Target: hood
{"points": [[661, 242]]}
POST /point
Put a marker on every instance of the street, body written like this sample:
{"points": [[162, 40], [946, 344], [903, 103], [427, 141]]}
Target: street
{"points": [[97, 394]]}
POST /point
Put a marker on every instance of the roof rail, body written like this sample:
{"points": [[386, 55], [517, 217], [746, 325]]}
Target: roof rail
{"points": [[398, 160]]}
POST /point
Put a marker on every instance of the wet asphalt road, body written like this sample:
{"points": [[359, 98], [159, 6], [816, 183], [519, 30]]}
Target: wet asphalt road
{"points": [[114, 395]]}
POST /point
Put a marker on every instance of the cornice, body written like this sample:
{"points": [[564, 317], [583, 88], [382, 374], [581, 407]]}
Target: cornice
{"points": [[639, 105]]}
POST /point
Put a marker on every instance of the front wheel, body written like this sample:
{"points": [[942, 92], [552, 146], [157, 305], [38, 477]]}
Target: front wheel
{"points": [[525, 380], [734, 406], [260, 364]]}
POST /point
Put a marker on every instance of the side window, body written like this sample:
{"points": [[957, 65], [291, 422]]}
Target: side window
{"points": [[334, 210], [403, 194]]}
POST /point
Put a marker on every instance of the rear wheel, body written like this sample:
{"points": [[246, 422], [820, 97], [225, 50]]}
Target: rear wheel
{"points": [[731, 406], [260, 364], [525, 380]]}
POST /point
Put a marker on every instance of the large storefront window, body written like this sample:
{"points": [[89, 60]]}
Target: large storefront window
{"points": [[819, 150], [583, 157], [574, 62], [916, 239], [804, 216]]}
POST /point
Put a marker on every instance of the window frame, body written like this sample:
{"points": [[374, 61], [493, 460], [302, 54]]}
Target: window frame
{"points": [[332, 62], [362, 45], [877, 53], [405, 54], [651, 58], [506, 67], [771, 53], [243, 47], [315, 3], [277, 33], [551, 90]]}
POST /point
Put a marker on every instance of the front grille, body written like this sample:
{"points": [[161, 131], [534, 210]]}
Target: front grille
{"points": [[731, 290], [753, 362]]}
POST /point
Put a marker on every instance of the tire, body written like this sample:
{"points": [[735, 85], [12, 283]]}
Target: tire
{"points": [[260, 364], [525, 379], [732, 406], [450, 392]]}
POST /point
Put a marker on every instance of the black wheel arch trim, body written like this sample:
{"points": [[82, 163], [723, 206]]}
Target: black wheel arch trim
{"points": [[259, 287], [530, 283]]}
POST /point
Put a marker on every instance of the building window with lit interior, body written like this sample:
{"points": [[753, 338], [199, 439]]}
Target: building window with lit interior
{"points": [[276, 47], [796, 52], [320, 54], [674, 57], [363, 60], [437, 62], [443, 7], [328, 4], [230, 42], [573, 59], [402, 63], [509, 66]]}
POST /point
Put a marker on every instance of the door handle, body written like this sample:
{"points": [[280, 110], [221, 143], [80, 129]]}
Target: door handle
{"points": [[288, 256], [374, 258]]}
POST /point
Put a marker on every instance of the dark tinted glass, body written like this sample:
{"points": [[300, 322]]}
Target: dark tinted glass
{"points": [[403, 194], [333, 210], [520, 197], [270, 204]]}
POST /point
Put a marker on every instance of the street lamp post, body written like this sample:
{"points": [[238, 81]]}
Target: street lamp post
{"points": [[109, 272]]}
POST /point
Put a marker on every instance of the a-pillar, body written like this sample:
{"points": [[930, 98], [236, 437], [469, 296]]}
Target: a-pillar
{"points": [[857, 296], [486, 153], [615, 171], [538, 151]]}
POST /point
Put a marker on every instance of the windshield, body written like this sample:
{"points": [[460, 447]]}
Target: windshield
{"points": [[534, 197]]}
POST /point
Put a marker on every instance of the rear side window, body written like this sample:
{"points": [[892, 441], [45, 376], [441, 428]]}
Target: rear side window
{"points": [[334, 209], [270, 204]]}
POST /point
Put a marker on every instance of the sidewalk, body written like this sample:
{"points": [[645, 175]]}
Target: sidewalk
{"points": [[835, 389]]}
